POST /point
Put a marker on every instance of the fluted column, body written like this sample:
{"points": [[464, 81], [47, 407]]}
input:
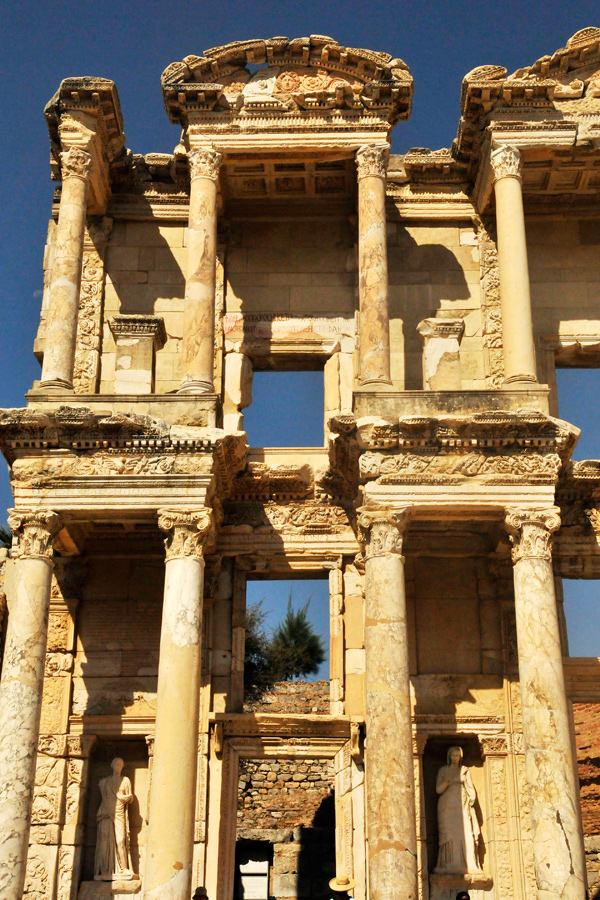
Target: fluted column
{"points": [[549, 757], [389, 775], [170, 841], [371, 162], [515, 299], [63, 306], [198, 350], [21, 688]]}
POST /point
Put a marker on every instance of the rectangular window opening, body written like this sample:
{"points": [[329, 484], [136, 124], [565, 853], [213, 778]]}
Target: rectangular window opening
{"points": [[287, 409], [579, 616], [286, 666], [578, 392]]}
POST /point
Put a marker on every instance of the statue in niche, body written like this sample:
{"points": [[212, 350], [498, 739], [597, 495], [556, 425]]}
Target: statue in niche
{"points": [[459, 831], [113, 857]]}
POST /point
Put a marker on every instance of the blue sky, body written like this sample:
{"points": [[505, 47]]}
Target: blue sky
{"points": [[133, 42]]}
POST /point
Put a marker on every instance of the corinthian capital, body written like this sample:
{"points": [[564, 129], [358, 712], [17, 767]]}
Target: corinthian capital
{"points": [[205, 164], [372, 159], [75, 162], [382, 530], [506, 162], [33, 533], [530, 532], [185, 532]]}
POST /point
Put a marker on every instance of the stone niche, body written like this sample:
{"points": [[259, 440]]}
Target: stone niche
{"points": [[446, 886], [134, 752]]}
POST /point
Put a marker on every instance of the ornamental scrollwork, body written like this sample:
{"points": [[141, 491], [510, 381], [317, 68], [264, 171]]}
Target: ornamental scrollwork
{"points": [[372, 159], [506, 162], [75, 162], [33, 533], [205, 164], [383, 531], [186, 533], [530, 532]]}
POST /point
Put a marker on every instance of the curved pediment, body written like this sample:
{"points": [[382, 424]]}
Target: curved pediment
{"points": [[304, 74]]}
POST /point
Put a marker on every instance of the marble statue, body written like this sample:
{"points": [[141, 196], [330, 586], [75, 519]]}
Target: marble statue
{"points": [[459, 832], [113, 858]]}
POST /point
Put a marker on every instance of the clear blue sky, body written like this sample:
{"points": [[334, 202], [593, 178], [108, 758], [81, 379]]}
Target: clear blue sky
{"points": [[133, 42]]}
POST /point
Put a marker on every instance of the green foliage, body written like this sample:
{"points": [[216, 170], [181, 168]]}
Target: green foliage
{"points": [[293, 651], [5, 537]]}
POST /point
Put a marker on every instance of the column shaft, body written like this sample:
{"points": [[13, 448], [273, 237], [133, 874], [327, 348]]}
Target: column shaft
{"points": [[549, 757], [173, 791], [61, 329], [515, 299], [372, 265], [198, 350], [389, 766], [21, 693]]}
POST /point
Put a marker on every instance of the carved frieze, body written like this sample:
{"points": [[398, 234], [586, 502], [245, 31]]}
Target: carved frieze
{"points": [[446, 467], [308, 517], [89, 322]]}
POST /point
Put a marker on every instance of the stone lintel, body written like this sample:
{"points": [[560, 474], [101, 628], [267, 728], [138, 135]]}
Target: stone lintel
{"points": [[137, 325]]}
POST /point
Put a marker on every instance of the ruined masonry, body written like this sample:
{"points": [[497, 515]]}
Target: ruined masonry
{"points": [[437, 292]]}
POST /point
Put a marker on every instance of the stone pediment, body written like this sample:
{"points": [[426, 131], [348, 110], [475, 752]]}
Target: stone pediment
{"points": [[295, 76]]}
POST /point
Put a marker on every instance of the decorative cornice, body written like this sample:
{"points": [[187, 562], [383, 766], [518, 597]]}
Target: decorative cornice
{"points": [[205, 164], [34, 533], [382, 531], [506, 162], [139, 325], [441, 328], [75, 162], [530, 532], [372, 159], [186, 533]]}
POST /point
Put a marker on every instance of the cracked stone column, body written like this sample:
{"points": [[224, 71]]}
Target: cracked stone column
{"points": [[63, 306], [515, 299], [549, 755], [371, 162], [170, 842], [198, 349], [21, 688], [389, 766]]}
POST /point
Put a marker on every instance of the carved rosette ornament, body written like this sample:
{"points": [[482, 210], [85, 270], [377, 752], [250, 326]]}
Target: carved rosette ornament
{"points": [[383, 532], [33, 533], [186, 533], [506, 162], [205, 164], [372, 159], [75, 162], [530, 532]]}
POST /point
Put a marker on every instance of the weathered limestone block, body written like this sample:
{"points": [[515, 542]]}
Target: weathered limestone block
{"points": [[138, 338], [441, 353]]}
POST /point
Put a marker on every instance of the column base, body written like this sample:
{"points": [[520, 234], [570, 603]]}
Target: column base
{"points": [[109, 890], [376, 384], [521, 379], [445, 886], [55, 385], [196, 387]]}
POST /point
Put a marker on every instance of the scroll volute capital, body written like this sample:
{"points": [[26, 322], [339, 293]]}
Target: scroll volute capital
{"points": [[34, 533], [530, 532], [186, 532], [382, 531]]}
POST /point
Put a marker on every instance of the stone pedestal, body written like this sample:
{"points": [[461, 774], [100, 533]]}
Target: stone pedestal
{"points": [[170, 840], [441, 353], [389, 776], [137, 338], [63, 307], [372, 163], [21, 689], [515, 300], [110, 890], [549, 754], [198, 348]]}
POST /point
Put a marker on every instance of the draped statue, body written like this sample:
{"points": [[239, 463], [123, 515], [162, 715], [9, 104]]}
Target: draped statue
{"points": [[459, 832], [113, 857]]}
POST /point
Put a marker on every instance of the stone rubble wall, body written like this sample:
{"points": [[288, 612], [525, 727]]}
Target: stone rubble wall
{"points": [[294, 698], [587, 736], [283, 793]]}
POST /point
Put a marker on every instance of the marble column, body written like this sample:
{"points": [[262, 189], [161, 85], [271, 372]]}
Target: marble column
{"points": [[170, 841], [63, 306], [198, 349], [549, 755], [389, 775], [515, 300], [21, 688], [371, 162]]}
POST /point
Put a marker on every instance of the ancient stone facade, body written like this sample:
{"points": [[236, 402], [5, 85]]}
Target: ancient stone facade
{"points": [[437, 291]]}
